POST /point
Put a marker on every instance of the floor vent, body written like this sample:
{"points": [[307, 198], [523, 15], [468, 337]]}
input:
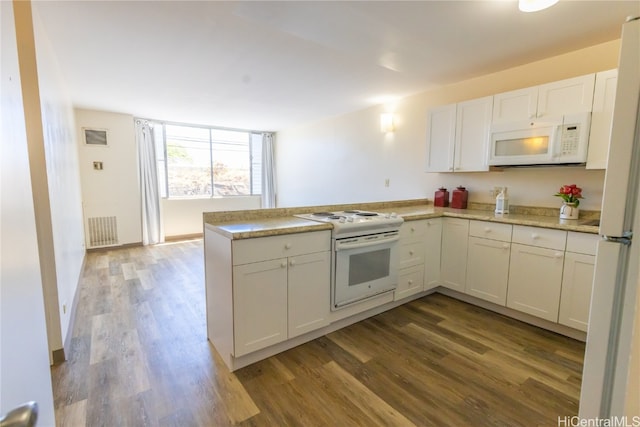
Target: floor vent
{"points": [[103, 231]]}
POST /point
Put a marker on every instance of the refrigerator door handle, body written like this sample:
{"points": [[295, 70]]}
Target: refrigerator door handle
{"points": [[622, 240]]}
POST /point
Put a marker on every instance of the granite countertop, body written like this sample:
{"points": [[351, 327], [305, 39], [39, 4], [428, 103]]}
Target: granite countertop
{"points": [[273, 222]]}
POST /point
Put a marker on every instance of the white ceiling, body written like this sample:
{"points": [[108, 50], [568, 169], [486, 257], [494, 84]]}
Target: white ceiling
{"points": [[271, 65]]}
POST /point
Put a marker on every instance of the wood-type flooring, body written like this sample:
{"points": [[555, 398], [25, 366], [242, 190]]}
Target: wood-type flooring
{"points": [[139, 356]]}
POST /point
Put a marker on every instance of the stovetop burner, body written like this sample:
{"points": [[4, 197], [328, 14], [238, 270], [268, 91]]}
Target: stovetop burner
{"points": [[350, 223], [323, 214]]}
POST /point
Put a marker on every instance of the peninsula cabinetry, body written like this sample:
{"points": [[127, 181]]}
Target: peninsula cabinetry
{"points": [[535, 271], [488, 261], [263, 291], [412, 256]]}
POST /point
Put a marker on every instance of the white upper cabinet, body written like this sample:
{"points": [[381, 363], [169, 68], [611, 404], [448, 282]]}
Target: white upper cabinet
{"points": [[458, 136], [568, 96], [473, 124], [517, 105], [604, 97], [441, 134]]}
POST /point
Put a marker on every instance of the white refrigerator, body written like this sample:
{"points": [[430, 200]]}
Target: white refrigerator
{"points": [[614, 311]]}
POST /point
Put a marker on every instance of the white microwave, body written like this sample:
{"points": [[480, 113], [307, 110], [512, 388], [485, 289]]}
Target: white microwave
{"points": [[544, 141]]}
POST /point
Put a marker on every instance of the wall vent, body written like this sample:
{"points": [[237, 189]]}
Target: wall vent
{"points": [[103, 231]]}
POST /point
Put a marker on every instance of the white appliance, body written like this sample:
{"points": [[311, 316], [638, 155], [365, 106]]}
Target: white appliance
{"points": [[365, 254], [544, 141], [616, 280]]}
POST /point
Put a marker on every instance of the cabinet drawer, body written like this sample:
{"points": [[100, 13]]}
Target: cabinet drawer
{"points": [[413, 230], [412, 254], [410, 282], [265, 248], [540, 237], [491, 230], [582, 243]]}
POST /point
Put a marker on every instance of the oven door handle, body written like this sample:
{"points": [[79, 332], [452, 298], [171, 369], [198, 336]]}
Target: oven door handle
{"points": [[344, 246]]}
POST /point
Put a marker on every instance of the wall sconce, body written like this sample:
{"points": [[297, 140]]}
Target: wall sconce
{"points": [[386, 123], [535, 5]]}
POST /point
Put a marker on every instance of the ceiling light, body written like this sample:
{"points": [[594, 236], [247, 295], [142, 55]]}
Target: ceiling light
{"points": [[535, 5]]}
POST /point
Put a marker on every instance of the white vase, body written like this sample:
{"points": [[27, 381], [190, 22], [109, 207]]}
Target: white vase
{"points": [[569, 211]]}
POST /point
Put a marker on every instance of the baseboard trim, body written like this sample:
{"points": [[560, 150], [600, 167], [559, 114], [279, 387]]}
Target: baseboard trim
{"points": [[183, 237], [58, 356]]}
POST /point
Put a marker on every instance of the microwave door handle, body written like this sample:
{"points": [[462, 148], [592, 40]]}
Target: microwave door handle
{"points": [[345, 246], [556, 144]]}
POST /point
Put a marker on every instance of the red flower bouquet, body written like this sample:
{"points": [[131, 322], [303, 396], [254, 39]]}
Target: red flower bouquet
{"points": [[570, 194]]}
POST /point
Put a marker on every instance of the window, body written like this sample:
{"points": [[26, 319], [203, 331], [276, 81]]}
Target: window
{"points": [[195, 161]]}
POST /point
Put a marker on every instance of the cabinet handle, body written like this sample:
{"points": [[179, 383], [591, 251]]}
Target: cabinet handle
{"points": [[410, 282], [410, 252], [292, 262], [558, 255], [535, 236], [505, 246], [283, 264], [487, 230], [413, 229], [451, 168], [287, 245]]}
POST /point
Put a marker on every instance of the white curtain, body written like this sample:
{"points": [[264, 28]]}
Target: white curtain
{"points": [[148, 178], [268, 171]]}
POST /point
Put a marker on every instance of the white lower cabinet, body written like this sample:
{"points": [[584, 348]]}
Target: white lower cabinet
{"points": [[433, 250], [577, 280], [278, 299], [259, 305], [308, 292], [535, 279], [412, 251], [488, 261], [453, 266]]}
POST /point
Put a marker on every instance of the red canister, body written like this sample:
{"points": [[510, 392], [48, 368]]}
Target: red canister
{"points": [[441, 198], [459, 198]]}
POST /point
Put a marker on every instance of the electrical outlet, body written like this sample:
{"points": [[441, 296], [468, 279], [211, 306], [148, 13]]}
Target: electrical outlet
{"points": [[64, 308], [386, 182]]}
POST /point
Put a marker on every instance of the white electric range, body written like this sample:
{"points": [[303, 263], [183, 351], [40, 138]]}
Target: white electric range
{"points": [[365, 254]]}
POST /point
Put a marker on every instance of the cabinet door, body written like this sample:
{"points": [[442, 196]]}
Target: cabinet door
{"points": [[455, 232], [604, 97], [575, 299], [488, 269], [473, 124], [441, 130], [410, 282], [309, 292], [566, 96], [259, 305], [433, 240], [535, 278], [515, 106]]}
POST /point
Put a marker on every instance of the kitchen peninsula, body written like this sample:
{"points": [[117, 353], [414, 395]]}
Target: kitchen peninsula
{"points": [[269, 273]]}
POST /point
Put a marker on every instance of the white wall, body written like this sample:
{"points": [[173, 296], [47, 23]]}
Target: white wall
{"points": [[63, 178], [347, 159], [113, 191], [24, 355]]}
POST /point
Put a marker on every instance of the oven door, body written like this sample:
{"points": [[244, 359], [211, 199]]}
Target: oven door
{"points": [[364, 266]]}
